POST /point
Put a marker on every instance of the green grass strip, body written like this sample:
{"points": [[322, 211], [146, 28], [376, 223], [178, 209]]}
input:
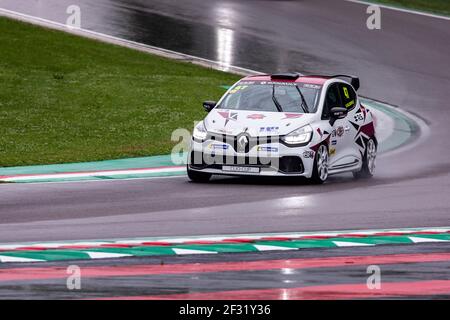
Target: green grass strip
{"points": [[441, 7], [67, 99]]}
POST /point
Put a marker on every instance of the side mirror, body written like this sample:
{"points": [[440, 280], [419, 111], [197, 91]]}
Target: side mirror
{"points": [[209, 105], [337, 113]]}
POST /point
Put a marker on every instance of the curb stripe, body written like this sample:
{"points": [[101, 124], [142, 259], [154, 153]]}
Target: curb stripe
{"points": [[377, 235], [213, 245], [93, 174]]}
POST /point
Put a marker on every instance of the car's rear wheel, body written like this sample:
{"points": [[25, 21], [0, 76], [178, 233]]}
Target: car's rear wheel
{"points": [[320, 170], [197, 176], [368, 165]]}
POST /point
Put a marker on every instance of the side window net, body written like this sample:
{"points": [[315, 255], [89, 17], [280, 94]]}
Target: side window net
{"points": [[332, 99]]}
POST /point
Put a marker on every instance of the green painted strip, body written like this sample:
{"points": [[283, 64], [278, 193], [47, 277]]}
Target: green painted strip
{"points": [[119, 164], [405, 129], [49, 255]]}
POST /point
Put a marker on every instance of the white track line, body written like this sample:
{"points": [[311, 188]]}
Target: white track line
{"points": [[410, 11]]}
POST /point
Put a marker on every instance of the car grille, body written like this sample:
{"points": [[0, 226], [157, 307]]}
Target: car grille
{"points": [[233, 140], [285, 164]]}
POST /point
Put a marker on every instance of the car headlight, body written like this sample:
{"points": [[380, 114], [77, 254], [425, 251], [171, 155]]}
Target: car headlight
{"points": [[300, 136], [200, 132]]}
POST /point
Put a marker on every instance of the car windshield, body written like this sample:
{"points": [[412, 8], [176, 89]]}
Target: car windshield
{"points": [[272, 96]]}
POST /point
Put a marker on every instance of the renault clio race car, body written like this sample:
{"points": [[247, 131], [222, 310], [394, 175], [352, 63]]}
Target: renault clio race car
{"points": [[285, 125]]}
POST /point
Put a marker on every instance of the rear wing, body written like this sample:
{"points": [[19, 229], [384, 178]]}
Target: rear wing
{"points": [[354, 81]]}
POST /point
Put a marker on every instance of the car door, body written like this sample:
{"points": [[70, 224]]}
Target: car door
{"points": [[347, 153], [340, 138]]}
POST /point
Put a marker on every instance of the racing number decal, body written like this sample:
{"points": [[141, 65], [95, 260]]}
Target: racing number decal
{"points": [[237, 89], [347, 95], [348, 103]]}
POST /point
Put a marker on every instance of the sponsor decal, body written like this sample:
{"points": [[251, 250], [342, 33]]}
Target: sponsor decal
{"points": [[278, 83], [332, 151], [308, 154], [237, 88], [228, 116], [319, 132], [333, 142], [311, 86], [269, 129], [217, 146], [349, 104], [292, 115], [268, 149], [359, 117], [224, 131], [340, 131], [281, 83], [256, 116], [361, 114]]}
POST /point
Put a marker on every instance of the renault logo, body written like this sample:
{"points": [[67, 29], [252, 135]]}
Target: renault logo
{"points": [[242, 142]]}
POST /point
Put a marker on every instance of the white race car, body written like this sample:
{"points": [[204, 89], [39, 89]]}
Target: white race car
{"points": [[285, 125]]}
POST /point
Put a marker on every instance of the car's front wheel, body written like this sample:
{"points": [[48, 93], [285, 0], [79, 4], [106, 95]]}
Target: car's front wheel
{"points": [[320, 170], [368, 161], [197, 176]]}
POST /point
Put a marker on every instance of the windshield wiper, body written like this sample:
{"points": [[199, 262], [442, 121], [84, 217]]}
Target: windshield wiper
{"points": [[304, 105], [277, 104]]}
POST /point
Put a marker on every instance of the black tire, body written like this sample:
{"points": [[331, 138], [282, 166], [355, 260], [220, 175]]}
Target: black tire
{"points": [[316, 178], [197, 176], [366, 172]]}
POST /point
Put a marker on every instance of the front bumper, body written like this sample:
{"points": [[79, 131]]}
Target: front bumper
{"points": [[271, 159]]}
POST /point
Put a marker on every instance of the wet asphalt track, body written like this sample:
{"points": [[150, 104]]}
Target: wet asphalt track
{"points": [[20, 281], [406, 63]]}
